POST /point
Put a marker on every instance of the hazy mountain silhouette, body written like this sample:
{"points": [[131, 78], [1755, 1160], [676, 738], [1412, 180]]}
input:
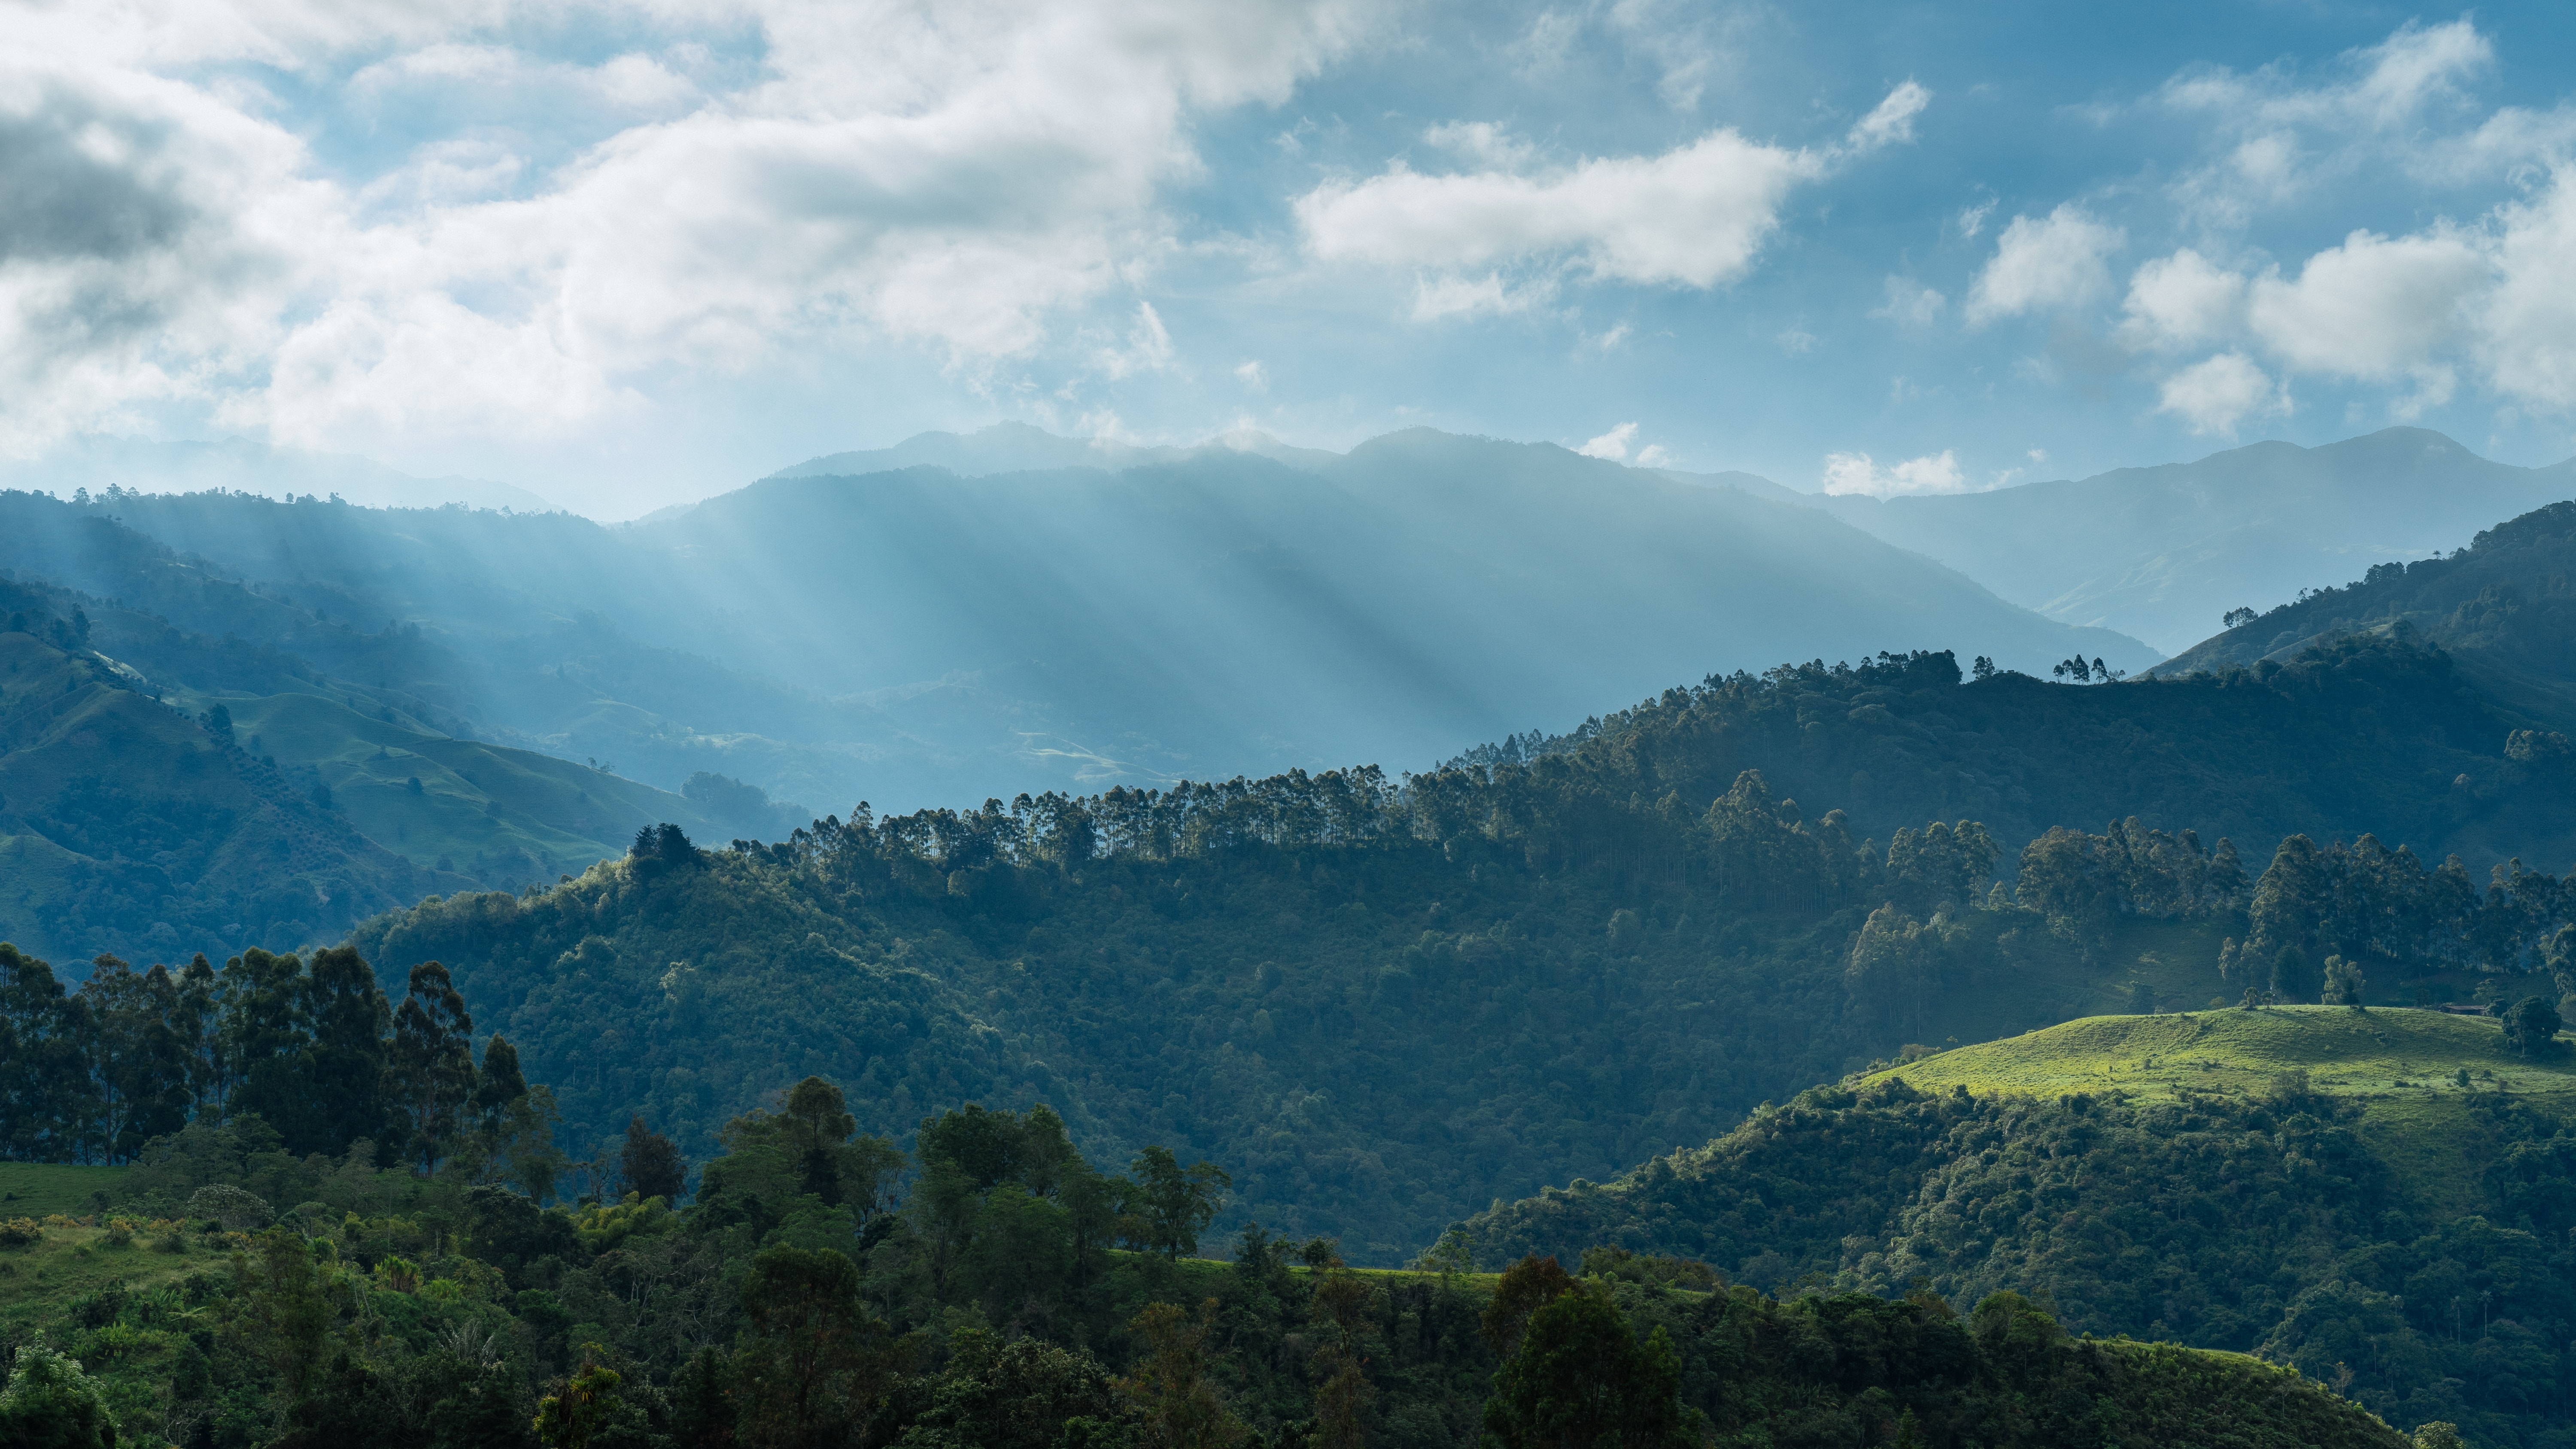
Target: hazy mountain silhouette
{"points": [[2160, 553], [916, 635]]}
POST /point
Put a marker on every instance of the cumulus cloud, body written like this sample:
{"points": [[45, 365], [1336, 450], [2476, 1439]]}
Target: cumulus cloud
{"points": [[1857, 473], [1694, 216], [2369, 307], [2217, 393], [2495, 299], [954, 179], [2045, 264], [1253, 376], [2276, 136], [2182, 300], [1612, 445]]}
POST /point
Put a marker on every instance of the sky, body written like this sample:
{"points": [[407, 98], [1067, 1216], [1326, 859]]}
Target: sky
{"points": [[627, 255]]}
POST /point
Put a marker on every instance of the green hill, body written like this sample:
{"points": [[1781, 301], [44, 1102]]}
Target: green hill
{"points": [[2387, 1191], [130, 827], [2504, 607]]}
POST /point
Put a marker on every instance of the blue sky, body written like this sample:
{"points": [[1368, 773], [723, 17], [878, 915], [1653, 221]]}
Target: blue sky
{"points": [[629, 255]]}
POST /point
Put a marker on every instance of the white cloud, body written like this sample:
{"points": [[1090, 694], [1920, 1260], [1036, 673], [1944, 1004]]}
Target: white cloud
{"points": [[2370, 307], [2527, 324], [1655, 455], [1148, 349], [1253, 376], [1910, 302], [2276, 138], [1856, 473], [1972, 219], [1892, 122], [2183, 300], [1695, 216], [1612, 445], [1435, 298], [955, 179], [2052, 263], [2217, 393]]}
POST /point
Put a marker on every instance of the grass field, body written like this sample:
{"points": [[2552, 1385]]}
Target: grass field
{"points": [[2402, 1065], [33, 1189]]}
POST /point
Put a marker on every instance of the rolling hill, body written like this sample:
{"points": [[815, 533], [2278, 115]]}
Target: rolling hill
{"points": [[135, 825], [2378, 1197]]}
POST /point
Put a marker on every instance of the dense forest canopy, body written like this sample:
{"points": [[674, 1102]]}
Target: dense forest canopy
{"points": [[993, 1288]]}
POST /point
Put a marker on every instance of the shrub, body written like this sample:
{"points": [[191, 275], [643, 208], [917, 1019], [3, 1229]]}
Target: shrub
{"points": [[20, 1233]]}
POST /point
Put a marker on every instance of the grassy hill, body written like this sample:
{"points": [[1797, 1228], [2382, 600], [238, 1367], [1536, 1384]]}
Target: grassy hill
{"points": [[129, 827], [496, 813], [2315, 1185], [126, 827]]}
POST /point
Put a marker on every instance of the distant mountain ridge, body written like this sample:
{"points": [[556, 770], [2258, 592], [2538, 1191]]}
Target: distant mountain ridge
{"points": [[924, 635], [2161, 552], [243, 466]]}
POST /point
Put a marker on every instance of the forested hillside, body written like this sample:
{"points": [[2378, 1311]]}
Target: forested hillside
{"points": [[1388, 1003], [127, 826], [2504, 607], [160, 789], [997, 1290], [2381, 1198]]}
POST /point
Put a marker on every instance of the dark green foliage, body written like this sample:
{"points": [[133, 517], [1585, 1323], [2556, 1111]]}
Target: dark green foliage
{"points": [[650, 1165], [51, 1404], [814, 1364], [424, 1312], [1581, 1380], [2532, 1024], [2268, 1226]]}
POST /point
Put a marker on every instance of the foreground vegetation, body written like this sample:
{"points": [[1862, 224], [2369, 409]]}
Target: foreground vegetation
{"points": [[2382, 1197], [802, 1299]]}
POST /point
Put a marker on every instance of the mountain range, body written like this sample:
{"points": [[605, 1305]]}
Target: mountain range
{"points": [[2160, 553]]}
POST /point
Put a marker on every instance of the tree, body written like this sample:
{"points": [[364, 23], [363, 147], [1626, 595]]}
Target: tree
{"points": [[651, 1163], [49, 1107], [430, 1067], [1525, 1288], [814, 1364], [1170, 1384], [1174, 1204], [1581, 1380], [2343, 983], [345, 1066], [265, 1030], [2531, 1023], [571, 1419], [141, 1061], [51, 1404], [2236, 618], [1984, 668]]}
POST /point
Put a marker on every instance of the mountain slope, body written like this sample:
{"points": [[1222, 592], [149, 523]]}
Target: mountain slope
{"points": [[2505, 608], [916, 635], [128, 828], [137, 827], [2348, 1192], [2160, 552]]}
